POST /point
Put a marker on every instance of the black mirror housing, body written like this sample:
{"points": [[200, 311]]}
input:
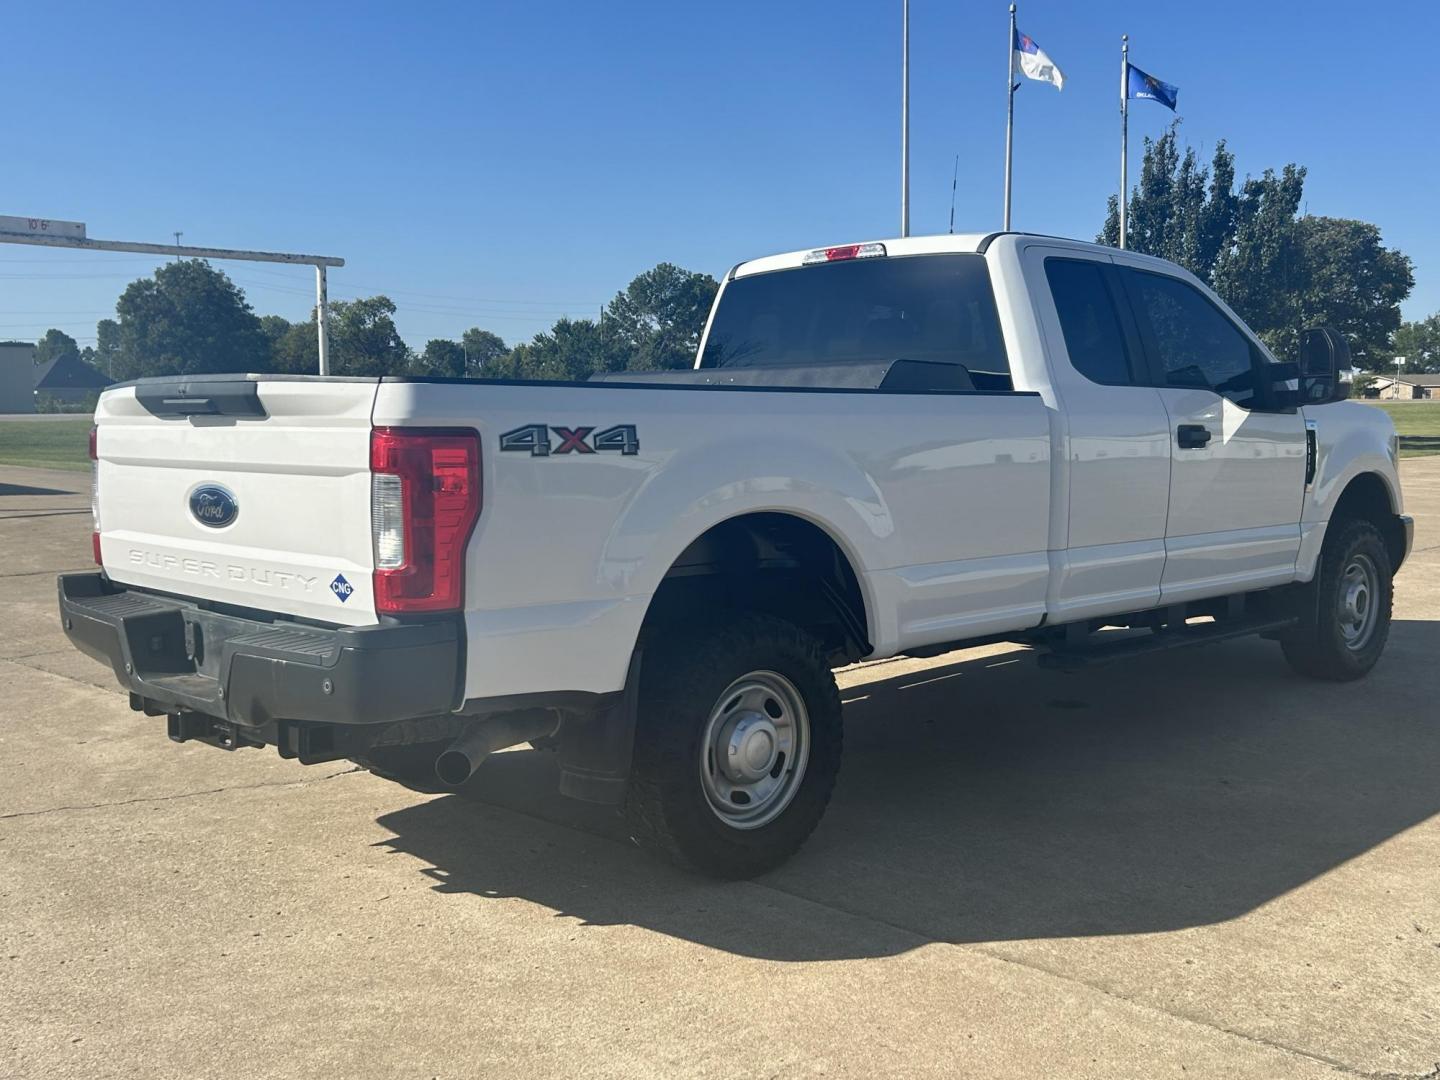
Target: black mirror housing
{"points": [[1324, 362]]}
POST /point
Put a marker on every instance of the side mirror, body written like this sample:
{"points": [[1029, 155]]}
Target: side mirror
{"points": [[1324, 366]]}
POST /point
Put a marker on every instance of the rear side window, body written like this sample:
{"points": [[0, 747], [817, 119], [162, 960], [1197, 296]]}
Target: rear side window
{"points": [[1093, 337], [1194, 343], [935, 308]]}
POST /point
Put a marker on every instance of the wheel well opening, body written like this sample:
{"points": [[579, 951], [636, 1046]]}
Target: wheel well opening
{"points": [[771, 562], [1366, 498]]}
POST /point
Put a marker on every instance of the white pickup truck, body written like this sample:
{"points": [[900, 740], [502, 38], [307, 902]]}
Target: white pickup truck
{"points": [[895, 447]]}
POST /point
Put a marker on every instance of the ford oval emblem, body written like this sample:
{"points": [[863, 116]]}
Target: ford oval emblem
{"points": [[213, 505]]}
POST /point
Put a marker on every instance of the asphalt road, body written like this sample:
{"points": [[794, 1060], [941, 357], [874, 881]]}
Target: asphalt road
{"points": [[1192, 865]]}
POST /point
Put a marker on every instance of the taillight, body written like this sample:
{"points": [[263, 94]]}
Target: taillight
{"points": [[95, 495], [424, 502]]}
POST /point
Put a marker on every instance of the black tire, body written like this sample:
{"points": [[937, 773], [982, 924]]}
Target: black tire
{"points": [[1321, 647], [682, 680], [412, 766]]}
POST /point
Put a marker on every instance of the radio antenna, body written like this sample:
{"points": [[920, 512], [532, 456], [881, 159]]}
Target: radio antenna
{"points": [[953, 177]]}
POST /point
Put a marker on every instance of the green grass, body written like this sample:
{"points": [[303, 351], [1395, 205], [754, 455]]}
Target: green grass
{"points": [[1413, 418], [46, 444]]}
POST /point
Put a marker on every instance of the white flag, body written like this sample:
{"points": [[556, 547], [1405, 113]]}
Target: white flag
{"points": [[1033, 62]]}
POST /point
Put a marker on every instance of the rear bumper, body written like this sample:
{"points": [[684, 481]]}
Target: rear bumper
{"points": [[175, 657]]}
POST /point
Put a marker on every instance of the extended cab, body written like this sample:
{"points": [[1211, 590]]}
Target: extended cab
{"points": [[883, 448]]}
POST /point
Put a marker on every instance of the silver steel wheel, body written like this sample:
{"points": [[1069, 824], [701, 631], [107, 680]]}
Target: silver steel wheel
{"points": [[1356, 602], [754, 751]]}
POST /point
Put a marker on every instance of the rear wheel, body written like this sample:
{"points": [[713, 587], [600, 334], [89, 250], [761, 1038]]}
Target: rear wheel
{"points": [[1347, 614], [737, 745]]}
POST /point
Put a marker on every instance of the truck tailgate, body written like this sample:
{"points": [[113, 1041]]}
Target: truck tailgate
{"points": [[265, 508]]}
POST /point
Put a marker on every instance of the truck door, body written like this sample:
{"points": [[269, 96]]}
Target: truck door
{"points": [[1113, 485], [1237, 472]]}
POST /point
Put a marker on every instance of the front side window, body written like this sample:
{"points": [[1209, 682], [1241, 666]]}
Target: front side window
{"points": [[1093, 337], [935, 308], [1195, 344]]}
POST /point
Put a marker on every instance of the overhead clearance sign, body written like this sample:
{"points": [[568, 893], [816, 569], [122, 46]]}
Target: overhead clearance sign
{"points": [[34, 226]]}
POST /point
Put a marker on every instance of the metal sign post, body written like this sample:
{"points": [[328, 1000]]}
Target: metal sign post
{"points": [[905, 120], [47, 232]]}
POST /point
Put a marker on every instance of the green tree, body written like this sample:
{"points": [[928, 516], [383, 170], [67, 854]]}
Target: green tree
{"points": [[1181, 210], [186, 319], [1351, 281], [1260, 270], [484, 351], [101, 356], [274, 327], [573, 349], [55, 344], [1419, 343], [1280, 271], [107, 340], [442, 357], [363, 338], [363, 341], [658, 319], [296, 349]]}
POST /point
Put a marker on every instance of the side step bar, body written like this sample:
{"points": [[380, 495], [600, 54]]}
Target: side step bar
{"points": [[1073, 658]]}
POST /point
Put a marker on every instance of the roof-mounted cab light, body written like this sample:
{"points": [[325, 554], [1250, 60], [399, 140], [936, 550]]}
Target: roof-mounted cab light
{"points": [[847, 251]]}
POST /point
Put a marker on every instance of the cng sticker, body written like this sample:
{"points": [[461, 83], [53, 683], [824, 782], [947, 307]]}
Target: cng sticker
{"points": [[341, 588]]}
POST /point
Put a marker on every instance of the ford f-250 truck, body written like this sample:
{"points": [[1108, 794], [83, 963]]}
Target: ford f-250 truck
{"points": [[883, 448]]}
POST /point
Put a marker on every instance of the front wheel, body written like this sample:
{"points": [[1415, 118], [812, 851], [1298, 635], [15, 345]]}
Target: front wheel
{"points": [[737, 745], [1347, 617]]}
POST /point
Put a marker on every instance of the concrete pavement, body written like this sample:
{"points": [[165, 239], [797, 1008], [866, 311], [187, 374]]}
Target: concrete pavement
{"points": [[1196, 864]]}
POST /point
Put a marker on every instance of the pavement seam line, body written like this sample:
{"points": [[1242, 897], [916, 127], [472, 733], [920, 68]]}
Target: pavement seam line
{"points": [[44, 573], [183, 795], [44, 652], [1186, 1018], [978, 947], [26, 515]]}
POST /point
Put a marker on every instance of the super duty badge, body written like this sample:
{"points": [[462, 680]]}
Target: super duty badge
{"points": [[535, 440]]}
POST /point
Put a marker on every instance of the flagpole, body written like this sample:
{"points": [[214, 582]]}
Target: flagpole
{"points": [[1124, 129], [1009, 115], [905, 122]]}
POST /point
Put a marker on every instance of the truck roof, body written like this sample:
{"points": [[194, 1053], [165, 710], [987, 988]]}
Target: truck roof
{"points": [[963, 243]]}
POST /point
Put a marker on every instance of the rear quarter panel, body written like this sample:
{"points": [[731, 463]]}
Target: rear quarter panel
{"points": [[940, 501]]}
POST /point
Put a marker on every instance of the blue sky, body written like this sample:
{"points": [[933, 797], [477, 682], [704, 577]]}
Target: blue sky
{"points": [[501, 164]]}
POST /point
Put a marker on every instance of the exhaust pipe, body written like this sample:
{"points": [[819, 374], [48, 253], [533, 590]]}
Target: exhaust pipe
{"points": [[466, 754]]}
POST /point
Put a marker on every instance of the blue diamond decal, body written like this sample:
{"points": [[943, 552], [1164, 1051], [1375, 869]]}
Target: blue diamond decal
{"points": [[341, 588]]}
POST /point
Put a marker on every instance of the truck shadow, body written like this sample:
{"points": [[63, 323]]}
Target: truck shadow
{"points": [[987, 800], [26, 489]]}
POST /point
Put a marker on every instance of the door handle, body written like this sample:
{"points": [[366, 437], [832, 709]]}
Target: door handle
{"points": [[1192, 436]]}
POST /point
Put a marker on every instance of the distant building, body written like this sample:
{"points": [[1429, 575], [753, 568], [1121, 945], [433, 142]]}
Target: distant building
{"points": [[17, 377], [65, 380], [1406, 388], [68, 379]]}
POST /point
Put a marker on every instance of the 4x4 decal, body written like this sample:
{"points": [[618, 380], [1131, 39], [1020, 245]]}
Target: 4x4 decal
{"points": [[535, 440]]}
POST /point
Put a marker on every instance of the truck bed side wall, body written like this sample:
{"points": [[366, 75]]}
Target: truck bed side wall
{"points": [[941, 502]]}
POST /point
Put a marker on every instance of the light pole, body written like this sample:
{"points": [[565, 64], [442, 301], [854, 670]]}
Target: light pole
{"points": [[905, 120]]}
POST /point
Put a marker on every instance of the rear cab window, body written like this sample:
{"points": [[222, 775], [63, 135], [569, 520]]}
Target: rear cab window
{"points": [[1090, 321], [930, 309]]}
